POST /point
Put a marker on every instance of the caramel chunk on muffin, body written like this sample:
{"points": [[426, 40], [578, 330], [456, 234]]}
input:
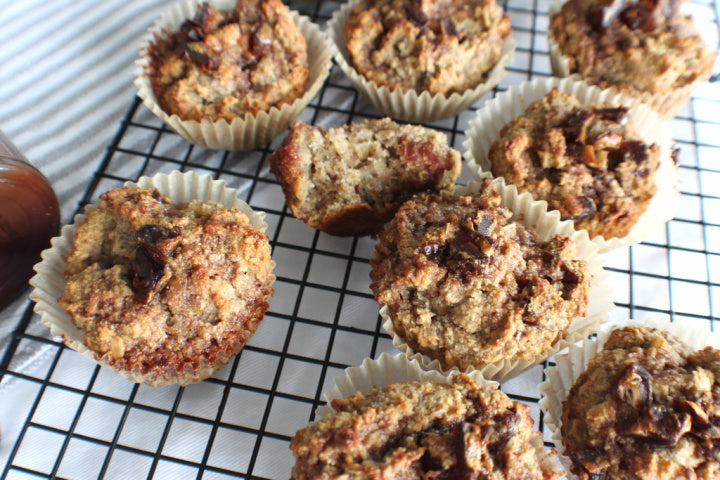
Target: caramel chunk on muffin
{"points": [[439, 46], [423, 430], [466, 286], [637, 46], [589, 163], [223, 65], [168, 293], [647, 407], [350, 180]]}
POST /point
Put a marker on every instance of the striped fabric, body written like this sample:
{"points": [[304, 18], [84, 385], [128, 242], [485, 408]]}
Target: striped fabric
{"points": [[66, 70], [66, 73]]}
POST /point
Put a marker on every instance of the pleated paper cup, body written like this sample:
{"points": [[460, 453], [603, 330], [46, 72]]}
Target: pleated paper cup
{"points": [[249, 131], [386, 370], [533, 215], [409, 105], [49, 281], [569, 366], [667, 104], [485, 128]]}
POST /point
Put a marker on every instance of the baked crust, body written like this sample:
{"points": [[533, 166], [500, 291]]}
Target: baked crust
{"points": [[588, 163], [467, 287], [647, 407], [351, 180], [225, 64], [423, 430], [638, 46], [439, 46], [162, 290]]}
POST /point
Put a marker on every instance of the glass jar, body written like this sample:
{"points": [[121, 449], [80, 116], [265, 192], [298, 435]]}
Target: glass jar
{"points": [[29, 218]]}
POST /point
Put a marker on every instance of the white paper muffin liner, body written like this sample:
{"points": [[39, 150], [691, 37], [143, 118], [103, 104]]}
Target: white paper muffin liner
{"points": [[249, 131], [531, 214], [666, 105], [409, 105], [49, 281], [569, 366], [387, 369], [485, 128]]}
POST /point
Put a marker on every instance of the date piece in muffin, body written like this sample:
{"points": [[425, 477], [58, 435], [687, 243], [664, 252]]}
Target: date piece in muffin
{"points": [[637, 46], [423, 430], [438, 46], [224, 64], [350, 180], [466, 286], [587, 162], [647, 407], [167, 293]]}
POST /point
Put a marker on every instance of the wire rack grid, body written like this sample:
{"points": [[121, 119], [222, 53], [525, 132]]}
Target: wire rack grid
{"points": [[81, 421]]}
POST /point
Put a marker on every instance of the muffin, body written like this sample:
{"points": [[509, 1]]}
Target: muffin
{"points": [[646, 407], [164, 292], [587, 162], [646, 48], [454, 429], [464, 285], [508, 111], [350, 180], [231, 74], [224, 64], [438, 46], [422, 60]]}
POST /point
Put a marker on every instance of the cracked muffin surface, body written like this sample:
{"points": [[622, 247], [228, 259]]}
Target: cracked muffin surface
{"points": [[224, 64], [587, 162], [422, 430], [166, 290], [350, 180], [438, 46], [466, 286], [646, 407], [637, 46]]}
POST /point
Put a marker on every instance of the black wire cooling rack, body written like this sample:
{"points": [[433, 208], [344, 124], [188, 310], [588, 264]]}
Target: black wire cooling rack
{"points": [[81, 421]]}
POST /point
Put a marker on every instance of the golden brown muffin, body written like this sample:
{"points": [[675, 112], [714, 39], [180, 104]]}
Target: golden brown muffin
{"points": [[647, 407], [424, 430], [589, 163], [438, 46], [350, 180], [224, 64], [637, 46], [466, 286], [169, 293]]}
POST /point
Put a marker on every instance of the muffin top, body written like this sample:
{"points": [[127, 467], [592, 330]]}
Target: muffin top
{"points": [[158, 288], [644, 45], [422, 430], [466, 286], [225, 64], [350, 180], [587, 162], [439, 46], [647, 407]]}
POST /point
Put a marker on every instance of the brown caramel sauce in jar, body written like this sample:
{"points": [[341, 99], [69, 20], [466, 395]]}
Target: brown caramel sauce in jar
{"points": [[29, 218]]}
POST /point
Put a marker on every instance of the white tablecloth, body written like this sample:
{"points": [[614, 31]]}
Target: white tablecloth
{"points": [[66, 70], [66, 77]]}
